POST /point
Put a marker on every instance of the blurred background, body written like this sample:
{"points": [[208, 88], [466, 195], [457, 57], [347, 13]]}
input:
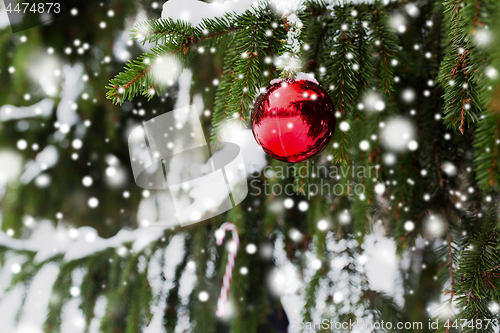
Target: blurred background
{"points": [[77, 248]]}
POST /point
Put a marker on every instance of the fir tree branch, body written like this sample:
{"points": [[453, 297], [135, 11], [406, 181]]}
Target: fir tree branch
{"points": [[342, 76], [170, 317], [479, 276], [167, 31], [384, 40], [176, 37], [450, 264], [60, 294], [487, 135]]}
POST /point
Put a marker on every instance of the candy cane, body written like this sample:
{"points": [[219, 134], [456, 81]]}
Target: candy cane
{"points": [[220, 234]]}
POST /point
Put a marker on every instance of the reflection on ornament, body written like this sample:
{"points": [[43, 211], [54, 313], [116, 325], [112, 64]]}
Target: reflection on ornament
{"points": [[294, 120]]}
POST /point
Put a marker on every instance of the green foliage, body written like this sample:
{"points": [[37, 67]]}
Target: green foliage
{"points": [[172, 306], [59, 297], [176, 42], [488, 130], [244, 65], [384, 41], [479, 277]]}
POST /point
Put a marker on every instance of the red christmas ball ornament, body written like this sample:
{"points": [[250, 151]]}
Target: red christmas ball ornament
{"points": [[294, 120]]}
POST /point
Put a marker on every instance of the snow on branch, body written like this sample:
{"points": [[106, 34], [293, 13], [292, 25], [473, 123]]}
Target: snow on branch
{"points": [[48, 242]]}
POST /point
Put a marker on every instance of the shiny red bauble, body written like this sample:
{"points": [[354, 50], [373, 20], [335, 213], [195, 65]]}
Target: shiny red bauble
{"points": [[294, 120]]}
